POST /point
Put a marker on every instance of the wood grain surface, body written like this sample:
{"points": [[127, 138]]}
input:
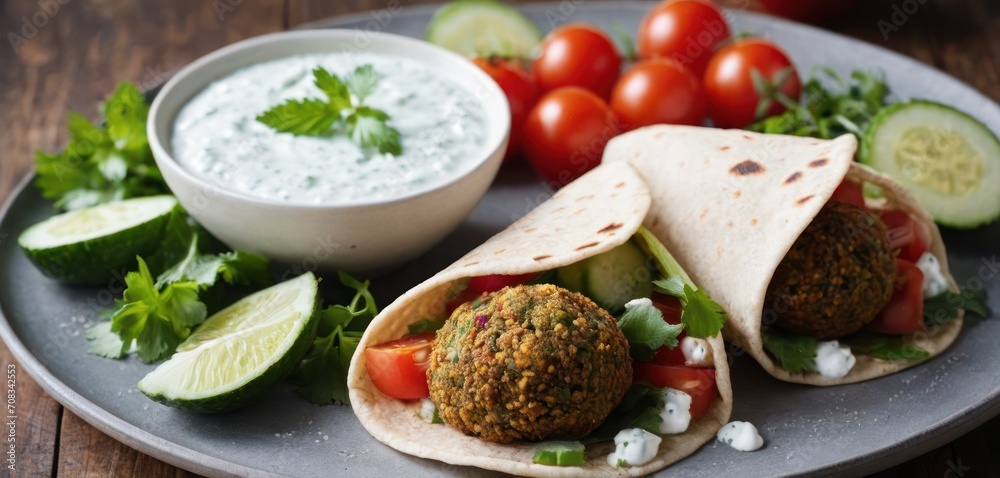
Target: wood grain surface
{"points": [[63, 55]]}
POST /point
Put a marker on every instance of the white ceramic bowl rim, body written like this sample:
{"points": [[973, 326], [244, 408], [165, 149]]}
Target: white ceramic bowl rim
{"points": [[493, 99]]}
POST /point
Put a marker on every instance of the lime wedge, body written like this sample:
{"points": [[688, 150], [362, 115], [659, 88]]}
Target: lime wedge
{"points": [[91, 245], [241, 351]]}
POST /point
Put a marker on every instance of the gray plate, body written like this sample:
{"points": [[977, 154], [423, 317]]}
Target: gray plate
{"points": [[851, 429]]}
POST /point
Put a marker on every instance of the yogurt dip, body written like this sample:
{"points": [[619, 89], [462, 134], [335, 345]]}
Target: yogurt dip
{"points": [[216, 134]]}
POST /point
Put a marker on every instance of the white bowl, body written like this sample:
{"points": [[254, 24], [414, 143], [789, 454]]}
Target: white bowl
{"points": [[361, 236]]}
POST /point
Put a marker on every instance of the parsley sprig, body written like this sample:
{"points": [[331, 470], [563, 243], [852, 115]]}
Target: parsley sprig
{"points": [[343, 110], [702, 317], [321, 377], [103, 163]]}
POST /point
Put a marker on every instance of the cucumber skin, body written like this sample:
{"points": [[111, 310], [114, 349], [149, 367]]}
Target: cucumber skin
{"points": [[442, 14], [100, 260], [864, 150], [258, 387]]}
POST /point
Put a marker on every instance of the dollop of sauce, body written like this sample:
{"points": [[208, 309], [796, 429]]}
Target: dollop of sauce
{"points": [[217, 136], [634, 446], [742, 436], [834, 360], [934, 281], [676, 413], [694, 350], [427, 410]]}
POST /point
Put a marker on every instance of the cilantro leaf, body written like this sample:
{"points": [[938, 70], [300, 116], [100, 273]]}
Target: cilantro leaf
{"points": [[645, 329], [368, 128], [362, 81], [301, 117], [702, 317], [796, 353], [886, 347], [102, 164], [942, 308], [101, 341], [335, 90], [640, 408], [157, 320], [238, 267], [321, 377]]}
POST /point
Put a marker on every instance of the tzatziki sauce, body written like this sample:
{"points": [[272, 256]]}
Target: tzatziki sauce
{"points": [[934, 281], [676, 412], [633, 447], [834, 360], [742, 436], [216, 134]]}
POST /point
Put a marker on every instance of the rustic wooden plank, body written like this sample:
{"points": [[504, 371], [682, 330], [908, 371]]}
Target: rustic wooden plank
{"points": [[34, 419], [85, 452]]}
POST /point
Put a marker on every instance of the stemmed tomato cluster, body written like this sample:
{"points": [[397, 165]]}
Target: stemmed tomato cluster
{"points": [[579, 90]]}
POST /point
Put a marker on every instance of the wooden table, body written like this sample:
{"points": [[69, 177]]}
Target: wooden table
{"points": [[82, 49]]}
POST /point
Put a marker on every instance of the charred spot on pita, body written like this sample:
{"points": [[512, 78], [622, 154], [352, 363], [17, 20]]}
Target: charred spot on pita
{"points": [[794, 177], [803, 200], [818, 163], [587, 245], [541, 257], [611, 227], [746, 168]]}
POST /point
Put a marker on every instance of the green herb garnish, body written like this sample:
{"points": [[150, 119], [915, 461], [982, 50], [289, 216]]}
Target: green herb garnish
{"points": [[646, 331], [702, 317], [886, 347], [321, 377], [343, 110], [828, 113], [796, 353], [942, 308], [426, 325], [640, 408], [103, 164]]}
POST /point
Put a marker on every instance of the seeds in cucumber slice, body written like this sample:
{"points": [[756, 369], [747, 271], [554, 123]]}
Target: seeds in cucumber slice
{"points": [[948, 160], [611, 278], [559, 453], [239, 353], [483, 28], [91, 245]]}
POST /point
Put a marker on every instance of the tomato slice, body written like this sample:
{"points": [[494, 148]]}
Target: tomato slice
{"points": [[399, 368], [904, 314], [671, 308], [495, 282], [849, 192], [697, 382], [905, 235]]}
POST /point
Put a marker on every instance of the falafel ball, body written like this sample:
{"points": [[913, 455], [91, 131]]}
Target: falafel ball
{"points": [[837, 277], [528, 363]]}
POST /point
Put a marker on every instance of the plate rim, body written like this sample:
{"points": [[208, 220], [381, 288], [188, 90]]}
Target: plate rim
{"points": [[946, 430]]}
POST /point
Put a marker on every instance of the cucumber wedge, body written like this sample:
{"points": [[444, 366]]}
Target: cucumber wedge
{"points": [[483, 28], [611, 278], [92, 245], [947, 159], [239, 353]]}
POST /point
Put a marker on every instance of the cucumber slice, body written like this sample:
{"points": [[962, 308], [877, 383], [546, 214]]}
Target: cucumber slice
{"points": [[483, 28], [92, 245], [610, 279], [559, 453], [947, 159], [239, 353]]}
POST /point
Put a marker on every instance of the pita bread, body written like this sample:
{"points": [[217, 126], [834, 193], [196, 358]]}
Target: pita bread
{"points": [[594, 214], [729, 204]]}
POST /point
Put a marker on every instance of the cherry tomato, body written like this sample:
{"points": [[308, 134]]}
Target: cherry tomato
{"points": [[685, 30], [566, 133], [697, 382], [904, 314], [905, 235], [729, 87], [519, 86], [808, 10], [849, 192], [398, 368], [658, 91], [578, 55], [671, 308]]}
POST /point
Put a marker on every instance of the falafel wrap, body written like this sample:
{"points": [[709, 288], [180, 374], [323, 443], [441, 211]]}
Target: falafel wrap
{"points": [[824, 285], [507, 366]]}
